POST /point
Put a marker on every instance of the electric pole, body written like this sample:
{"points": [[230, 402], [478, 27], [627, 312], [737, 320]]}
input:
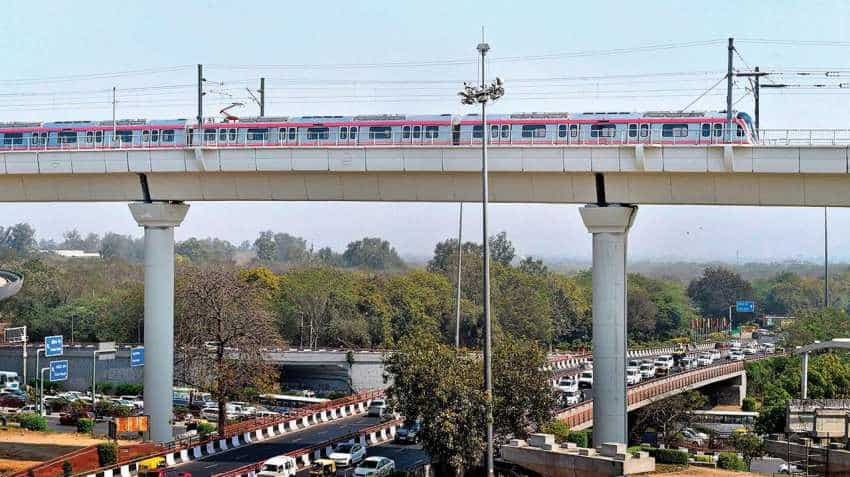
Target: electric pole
{"points": [[200, 95], [825, 259], [114, 124], [262, 92], [459, 268], [730, 50], [756, 97]]}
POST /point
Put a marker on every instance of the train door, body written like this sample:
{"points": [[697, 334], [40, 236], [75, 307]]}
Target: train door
{"points": [[456, 134]]}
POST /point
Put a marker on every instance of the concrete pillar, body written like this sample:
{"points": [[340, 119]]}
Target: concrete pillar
{"points": [[804, 387], [609, 226], [159, 220]]}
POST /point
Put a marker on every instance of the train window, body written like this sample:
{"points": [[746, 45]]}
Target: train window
{"points": [[476, 132], [167, 135], [89, 137], [506, 131], [633, 130], [125, 136], [259, 134], [603, 130], [232, 133], [432, 132], [644, 130], [155, 135], [573, 130], [222, 135], [718, 129], [674, 130], [146, 135], [209, 135], [380, 132], [343, 133], [281, 134], [417, 132], [67, 137], [740, 131], [534, 130], [38, 138], [10, 139], [98, 136], [293, 134], [318, 133], [405, 132], [706, 130], [562, 130], [352, 132], [494, 131]]}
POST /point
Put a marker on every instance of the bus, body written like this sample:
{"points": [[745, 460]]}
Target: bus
{"points": [[187, 397], [9, 381], [284, 403], [724, 423]]}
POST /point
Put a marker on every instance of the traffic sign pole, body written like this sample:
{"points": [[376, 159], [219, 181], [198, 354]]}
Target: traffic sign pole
{"points": [[41, 390]]}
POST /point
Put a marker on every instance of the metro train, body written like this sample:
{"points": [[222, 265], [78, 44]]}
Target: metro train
{"points": [[654, 127]]}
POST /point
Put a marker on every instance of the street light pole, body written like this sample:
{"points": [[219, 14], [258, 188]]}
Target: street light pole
{"points": [[471, 95], [459, 269]]}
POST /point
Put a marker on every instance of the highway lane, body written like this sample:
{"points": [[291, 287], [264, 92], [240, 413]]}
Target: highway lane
{"points": [[406, 457], [266, 449]]}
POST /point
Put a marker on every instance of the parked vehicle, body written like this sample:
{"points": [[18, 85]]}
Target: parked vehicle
{"points": [[280, 466], [323, 468], [632, 376], [409, 432], [585, 379], [71, 418], [348, 454], [694, 437], [378, 407], [163, 472], [375, 466], [29, 408]]}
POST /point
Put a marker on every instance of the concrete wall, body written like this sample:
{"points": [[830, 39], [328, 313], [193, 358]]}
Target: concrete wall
{"points": [[837, 461], [79, 359]]}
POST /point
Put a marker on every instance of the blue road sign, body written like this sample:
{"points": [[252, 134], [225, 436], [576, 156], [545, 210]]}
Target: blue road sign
{"points": [[59, 370], [137, 356], [745, 306], [52, 346]]}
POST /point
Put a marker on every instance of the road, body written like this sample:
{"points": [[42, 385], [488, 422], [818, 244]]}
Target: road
{"points": [[406, 457], [263, 450]]}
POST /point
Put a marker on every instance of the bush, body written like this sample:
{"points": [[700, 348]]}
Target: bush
{"points": [[562, 433], [107, 453], [84, 425], [702, 458], [205, 428], [126, 389], [580, 438], [106, 387], [731, 461], [33, 422], [749, 405], [669, 456]]}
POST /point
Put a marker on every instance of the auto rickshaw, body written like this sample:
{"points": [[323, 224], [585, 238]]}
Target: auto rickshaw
{"points": [[323, 468]]}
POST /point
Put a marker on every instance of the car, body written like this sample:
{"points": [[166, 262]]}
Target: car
{"points": [[568, 398], [769, 348], [663, 364], [633, 363], [632, 376], [71, 418], [377, 408], [210, 413], [409, 432], [323, 468], [12, 399], [567, 383], [750, 350], [347, 454], [280, 466], [694, 437], [688, 363], [375, 467], [715, 355], [704, 360], [585, 379], [736, 355], [647, 370], [29, 408], [788, 469]]}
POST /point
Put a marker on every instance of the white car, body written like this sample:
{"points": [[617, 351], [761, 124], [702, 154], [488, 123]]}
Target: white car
{"points": [[769, 348], [647, 371], [750, 350], [568, 398], [704, 360], [377, 408], [632, 376], [694, 437], [585, 379], [375, 466], [29, 408], [347, 454], [736, 355], [567, 383], [688, 363], [664, 363], [280, 466]]}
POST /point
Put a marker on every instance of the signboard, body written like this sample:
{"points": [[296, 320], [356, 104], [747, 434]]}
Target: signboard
{"points": [[137, 357], [59, 370], [123, 425], [106, 356], [744, 306], [106, 346], [15, 335], [52, 346]]}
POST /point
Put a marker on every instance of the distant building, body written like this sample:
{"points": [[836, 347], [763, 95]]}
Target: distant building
{"points": [[821, 419], [779, 322], [74, 253]]}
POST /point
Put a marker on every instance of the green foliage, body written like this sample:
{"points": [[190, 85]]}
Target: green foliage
{"points": [[33, 422], [818, 325], [205, 250], [771, 420], [749, 404], [205, 428], [716, 289], [731, 461], [84, 425], [562, 433], [129, 389], [67, 469], [106, 387], [107, 453], [748, 445], [703, 458], [372, 253], [668, 456]]}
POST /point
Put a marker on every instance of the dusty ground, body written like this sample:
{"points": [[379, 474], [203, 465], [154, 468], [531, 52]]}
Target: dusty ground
{"points": [[20, 448], [662, 470]]}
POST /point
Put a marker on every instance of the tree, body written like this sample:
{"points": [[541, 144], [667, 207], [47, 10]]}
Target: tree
{"points": [[788, 292], [501, 249], [662, 415], [205, 250], [771, 420], [265, 246], [523, 397], [221, 328], [445, 256], [818, 325], [372, 253], [641, 313], [326, 256], [533, 267], [73, 240], [749, 446], [291, 248], [717, 289], [20, 238], [122, 246]]}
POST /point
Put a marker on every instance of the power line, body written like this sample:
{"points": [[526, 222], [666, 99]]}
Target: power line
{"points": [[90, 76]]}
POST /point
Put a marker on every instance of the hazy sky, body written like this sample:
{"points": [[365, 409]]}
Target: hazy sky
{"points": [[366, 57]]}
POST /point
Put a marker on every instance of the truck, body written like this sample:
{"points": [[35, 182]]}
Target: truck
{"points": [[280, 466]]}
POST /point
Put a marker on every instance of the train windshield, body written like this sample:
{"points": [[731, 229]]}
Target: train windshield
{"points": [[749, 122]]}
